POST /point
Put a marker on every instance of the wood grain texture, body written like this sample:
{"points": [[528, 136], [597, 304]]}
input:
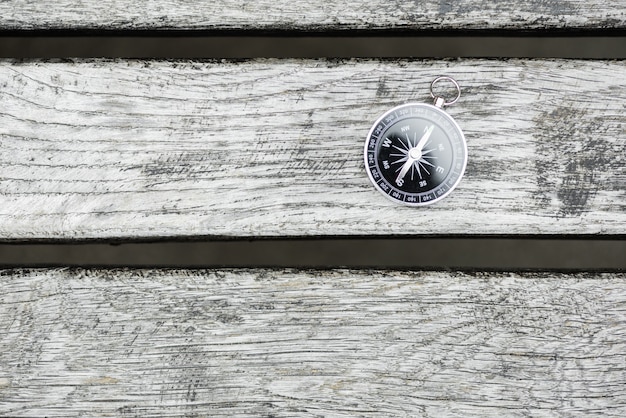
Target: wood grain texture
{"points": [[148, 149], [317, 15], [301, 343]]}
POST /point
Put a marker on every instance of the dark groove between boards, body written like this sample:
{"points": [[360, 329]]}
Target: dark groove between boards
{"points": [[183, 45], [402, 253]]}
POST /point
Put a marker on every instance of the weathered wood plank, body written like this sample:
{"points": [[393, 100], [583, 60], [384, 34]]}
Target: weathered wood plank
{"points": [[312, 15], [292, 343], [146, 149]]}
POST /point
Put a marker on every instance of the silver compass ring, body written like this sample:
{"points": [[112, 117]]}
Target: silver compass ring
{"points": [[453, 81]]}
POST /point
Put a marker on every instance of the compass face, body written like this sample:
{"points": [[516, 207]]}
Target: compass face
{"points": [[415, 154]]}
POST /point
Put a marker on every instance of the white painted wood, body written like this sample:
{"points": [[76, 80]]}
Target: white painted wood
{"points": [[324, 343], [147, 149], [312, 15]]}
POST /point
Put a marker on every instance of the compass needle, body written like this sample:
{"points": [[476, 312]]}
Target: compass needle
{"points": [[424, 139], [404, 169]]}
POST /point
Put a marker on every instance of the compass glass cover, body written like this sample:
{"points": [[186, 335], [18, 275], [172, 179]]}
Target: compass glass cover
{"points": [[415, 154]]}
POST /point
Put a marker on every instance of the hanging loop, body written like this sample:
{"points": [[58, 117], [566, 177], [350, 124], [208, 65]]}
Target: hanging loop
{"points": [[441, 101]]}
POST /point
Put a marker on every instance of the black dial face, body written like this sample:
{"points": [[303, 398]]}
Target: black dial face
{"points": [[415, 154]]}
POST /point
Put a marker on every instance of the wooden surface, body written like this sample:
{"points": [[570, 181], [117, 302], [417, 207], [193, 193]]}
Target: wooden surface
{"points": [[312, 15], [296, 343], [148, 149]]}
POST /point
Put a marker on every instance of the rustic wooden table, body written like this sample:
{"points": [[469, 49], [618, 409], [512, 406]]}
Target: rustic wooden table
{"points": [[118, 150]]}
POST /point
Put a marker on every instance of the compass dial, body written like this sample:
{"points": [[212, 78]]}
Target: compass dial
{"points": [[415, 154]]}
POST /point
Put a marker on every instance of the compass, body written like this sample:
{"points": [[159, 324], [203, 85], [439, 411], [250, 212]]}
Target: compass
{"points": [[415, 153]]}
